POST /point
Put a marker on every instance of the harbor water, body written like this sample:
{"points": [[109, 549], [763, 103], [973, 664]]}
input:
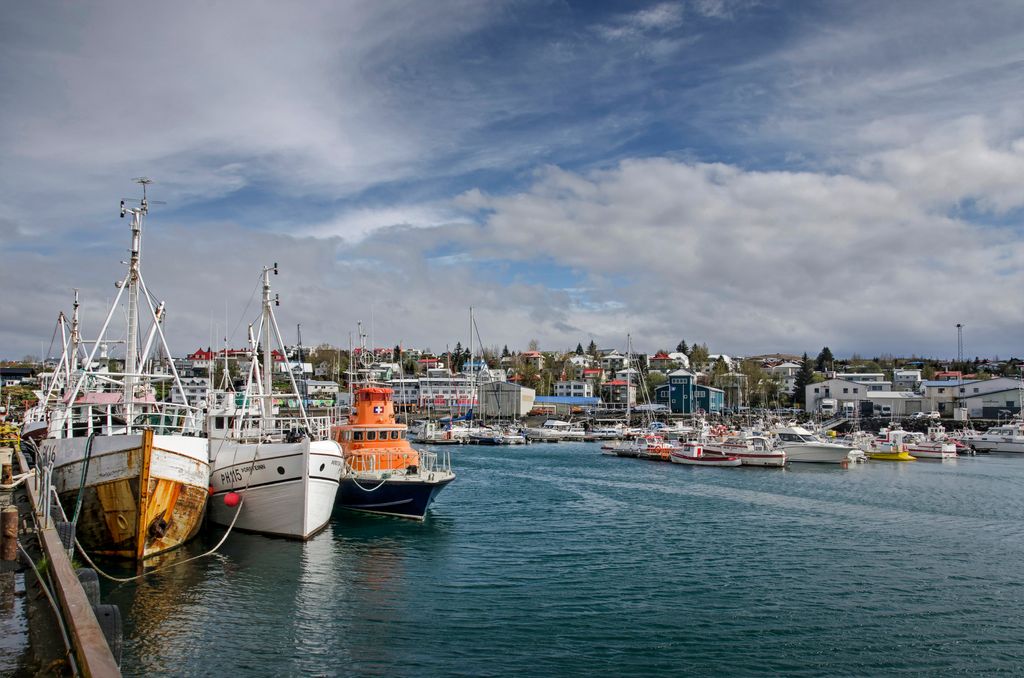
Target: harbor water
{"points": [[557, 560]]}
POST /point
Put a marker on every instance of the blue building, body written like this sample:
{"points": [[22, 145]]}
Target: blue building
{"points": [[683, 395]]}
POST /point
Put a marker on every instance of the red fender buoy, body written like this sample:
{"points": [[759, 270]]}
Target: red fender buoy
{"points": [[231, 499]]}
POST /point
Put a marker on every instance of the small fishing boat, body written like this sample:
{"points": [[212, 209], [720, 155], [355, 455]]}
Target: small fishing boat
{"points": [[891, 446], [653, 447], [932, 445], [384, 473], [751, 450], [893, 453], [693, 454]]}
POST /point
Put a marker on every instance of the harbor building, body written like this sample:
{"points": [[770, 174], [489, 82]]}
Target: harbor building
{"points": [[196, 389], [844, 390], [683, 395], [618, 394], [505, 400], [906, 380], [994, 404], [894, 403], [576, 389], [564, 406], [785, 373]]}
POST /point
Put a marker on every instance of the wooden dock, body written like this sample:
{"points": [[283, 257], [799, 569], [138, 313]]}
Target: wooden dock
{"points": [[77, 630]]}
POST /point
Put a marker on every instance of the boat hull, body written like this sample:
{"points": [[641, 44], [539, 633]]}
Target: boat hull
{"points": [[932, 453], [400, 497], [286, 489], [704, 460], [770, 460], [890, 456], [141, 494], [982, 444], [819, 454]]}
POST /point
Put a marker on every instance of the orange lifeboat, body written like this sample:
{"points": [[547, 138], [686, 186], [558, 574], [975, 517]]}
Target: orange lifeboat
{"points": [[383, 473], [372, 440]]}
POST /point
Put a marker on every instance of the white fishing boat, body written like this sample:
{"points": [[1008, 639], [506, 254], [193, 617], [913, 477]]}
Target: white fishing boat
{"points": [[651, 446], [270, 474], [131, 471], [430, 432], [934, 444], [693, 454], [751, 450], [801, 446]]}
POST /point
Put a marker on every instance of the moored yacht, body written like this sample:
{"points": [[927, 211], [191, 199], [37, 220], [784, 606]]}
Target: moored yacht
{"points": [[1003, 438], [801, 446], [555, 430]]}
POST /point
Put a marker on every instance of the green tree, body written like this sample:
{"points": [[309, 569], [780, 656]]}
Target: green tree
{"points": [[824, 361], [530, 377], [681, 347], [719, 370], [579, 349], [504, 352], [804, 377], [698, 356], [654, 379], [592, 349]]}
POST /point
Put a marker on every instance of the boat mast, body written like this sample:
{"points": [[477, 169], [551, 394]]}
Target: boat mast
{"points": [[268, 375], [76, 339], [131, 366], [629, 380]]}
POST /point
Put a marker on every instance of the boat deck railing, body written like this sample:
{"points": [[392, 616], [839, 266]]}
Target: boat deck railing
{"points": [[429, 462], [86, 419], [286, 429]]}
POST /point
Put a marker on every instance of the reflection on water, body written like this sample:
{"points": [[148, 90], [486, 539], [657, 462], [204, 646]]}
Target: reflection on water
{"points": [[557, 560]]}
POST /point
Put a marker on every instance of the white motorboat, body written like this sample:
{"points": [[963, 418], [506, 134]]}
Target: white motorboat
{"points": [[555, 430], [801, 446], [430, 432], [1004, 438], [272, 475]]}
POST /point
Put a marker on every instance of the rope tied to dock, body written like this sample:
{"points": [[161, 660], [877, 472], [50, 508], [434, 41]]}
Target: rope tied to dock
{"points": [[146, 573]]}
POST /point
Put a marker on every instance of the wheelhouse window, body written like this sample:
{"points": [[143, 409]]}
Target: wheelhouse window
{"points": [[394, 435], [371, 435], [357, 435]]}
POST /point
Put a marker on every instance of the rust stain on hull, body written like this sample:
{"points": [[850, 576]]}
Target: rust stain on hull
{"points": [[138, 517]]}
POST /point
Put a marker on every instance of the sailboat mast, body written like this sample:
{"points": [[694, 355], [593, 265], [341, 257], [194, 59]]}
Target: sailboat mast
{"points": [[629, 379]]}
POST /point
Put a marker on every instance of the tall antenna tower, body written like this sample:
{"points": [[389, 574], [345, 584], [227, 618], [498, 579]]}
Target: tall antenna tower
{"points": [[960, 344]]}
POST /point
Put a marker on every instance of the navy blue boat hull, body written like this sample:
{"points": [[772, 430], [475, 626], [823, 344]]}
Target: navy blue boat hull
{"points": [[403, 499]]}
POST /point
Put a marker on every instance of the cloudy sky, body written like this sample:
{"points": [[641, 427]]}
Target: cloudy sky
{"points": [[760, 176]]}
